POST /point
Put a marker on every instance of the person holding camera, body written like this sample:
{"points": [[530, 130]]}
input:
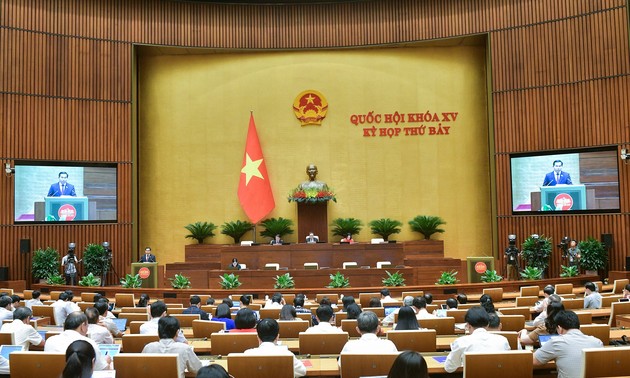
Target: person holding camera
{"points": [[69, 264]]}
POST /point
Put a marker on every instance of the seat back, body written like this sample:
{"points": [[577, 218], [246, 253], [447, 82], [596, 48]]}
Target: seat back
{"points": [[511, 336], [134, 316], [412, 293], [607, 301], [185, 320], [423, 340], [512, 322], [135, 343], [269, 313], [134, 327], [517, 311], [601, 331], [457, 314], [226, 343], [322, 343], [585, 317], [618, 308], [568, 296], [499, 365], [619, 285], [27, 294], [339, 316], [566, 288], [334, 297], [529, 291], [290, 329], [573, 304], [176, 310], [350, 326], [379, 311], [54, 294], [37, 364], [364, 298], [604, 362], [250, 366], [170, 306], [443, 326], [87, 296], [205, 328], [528, 301], [134, 365], [45, 311], [366, 365], [125, 300], [306, 317], [496, 293], [7, 338], [135, 310]]}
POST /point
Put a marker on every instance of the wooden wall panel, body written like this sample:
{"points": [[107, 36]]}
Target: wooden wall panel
{"points": [[559, 67]]}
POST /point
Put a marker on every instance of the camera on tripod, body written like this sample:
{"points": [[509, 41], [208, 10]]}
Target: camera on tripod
{"points": [[564, 246]]}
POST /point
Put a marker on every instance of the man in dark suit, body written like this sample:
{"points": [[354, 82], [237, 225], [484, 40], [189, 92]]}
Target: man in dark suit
{"points": [[147, 257], [557, 176], [62, 188]]}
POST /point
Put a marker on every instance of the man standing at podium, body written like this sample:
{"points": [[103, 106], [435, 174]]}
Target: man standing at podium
{"points": [[556, 176], [147, 257], [62, 188]]}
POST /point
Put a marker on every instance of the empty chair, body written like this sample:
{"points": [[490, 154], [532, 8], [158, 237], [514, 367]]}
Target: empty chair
{"points": [[44, 311], [525, 311], [379, 311], [573, 304], [134, 365], [513, 364], [566, 288], [423, 340], [7, 338], [603, 362], [526, 301], [339, 316], [495, 293], [205, 328], [457, 314], [269, 313], [84, 305], [134, 316], [443, 326], [529, 291], [608, 300], [251, 366], [54, 294], [618, 308], [134, 327], [87, 296], [186, 320], [618, 285], [125, 300], [322, 343], [366, 365], [290, 329], [512, 322], [135, 343], [601, 331], [226, 343], [37, 364], [585, 317]]}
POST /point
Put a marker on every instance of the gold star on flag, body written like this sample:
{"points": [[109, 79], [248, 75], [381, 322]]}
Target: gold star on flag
{"points": [[251, 169]]}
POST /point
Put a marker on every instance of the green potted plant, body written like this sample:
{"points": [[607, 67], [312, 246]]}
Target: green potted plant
{"points": [[200, 231], [393, 279], [284, 281], [491, 276], [45, 263], [131, 282], [89, 280], [338, 281], [536, 251], [593, 255], [236, 229], [344, 226], [385, 227], [569, 271], [179, 281], [55, 279], [447, 278], [276, 226], [229, 281], [427, 225], [95, 260], [531, 273]]}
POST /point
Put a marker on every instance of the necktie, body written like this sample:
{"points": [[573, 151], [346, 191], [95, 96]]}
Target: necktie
{"points": [[558, 178]]}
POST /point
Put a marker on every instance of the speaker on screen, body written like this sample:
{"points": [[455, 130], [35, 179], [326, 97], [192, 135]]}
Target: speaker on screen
{"points": [[25, 245]]}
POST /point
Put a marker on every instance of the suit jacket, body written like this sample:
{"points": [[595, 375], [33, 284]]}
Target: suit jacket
{"points": [[55, 190], [144, 258], [550, 179]]}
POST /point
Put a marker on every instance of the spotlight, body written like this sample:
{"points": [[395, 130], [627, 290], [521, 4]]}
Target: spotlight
{"points": [[8, 171]]}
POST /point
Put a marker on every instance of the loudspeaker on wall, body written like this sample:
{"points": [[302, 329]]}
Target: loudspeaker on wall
{"points": [[607, 239], [4, 273], [627, 263], [25, 245]]}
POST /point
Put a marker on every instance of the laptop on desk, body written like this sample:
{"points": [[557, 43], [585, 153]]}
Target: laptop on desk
{"points": [[121, 324], [6, 350], [543, 339], [109, 349]]}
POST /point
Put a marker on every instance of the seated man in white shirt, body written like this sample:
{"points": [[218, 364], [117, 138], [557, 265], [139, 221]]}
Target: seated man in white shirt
{"points": [[421, 304], [23, 333], [268, 332], [101, 307], [34, 301], [324, 314], [478, 339], [385, 296], [168, 328], [6, 312], [158, 310], [99, 333], [369, 343], [276, 301], [592, 298], [64, 306], [311, 238], [75, 328]]}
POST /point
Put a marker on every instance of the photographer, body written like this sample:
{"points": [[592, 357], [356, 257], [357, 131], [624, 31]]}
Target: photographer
{"points": [[69, 265]]}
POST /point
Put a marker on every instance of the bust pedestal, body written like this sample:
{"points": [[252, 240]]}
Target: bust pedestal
{"points": [[313, 217]]}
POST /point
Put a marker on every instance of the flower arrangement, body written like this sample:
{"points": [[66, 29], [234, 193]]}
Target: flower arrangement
{"points": [[312, 195]]}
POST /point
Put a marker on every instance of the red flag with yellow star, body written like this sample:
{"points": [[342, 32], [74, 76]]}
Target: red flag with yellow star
{"points": [[254, 189]]}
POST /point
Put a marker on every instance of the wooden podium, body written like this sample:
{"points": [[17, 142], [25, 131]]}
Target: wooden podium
{"points": [[312, 217], [148, 272]]}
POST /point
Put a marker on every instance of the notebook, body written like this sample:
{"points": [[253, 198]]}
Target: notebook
{"points": [[121, 324], [109, 349], [5, 350]]}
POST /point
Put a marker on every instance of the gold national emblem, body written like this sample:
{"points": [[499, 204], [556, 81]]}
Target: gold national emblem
{"points": [[310, 107]]}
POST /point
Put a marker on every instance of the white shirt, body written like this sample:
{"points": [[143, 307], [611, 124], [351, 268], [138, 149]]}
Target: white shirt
{"points": [[388, 299], [151, 328], [33, 302], [271, 349], [24, 334], [60, 342], [424, 314], [61, 310], [273, 305], [109, 325], [5, 314], [323, 327], [369, 343], [100, 334], [4, 366], [479, 341], [187, 358]]}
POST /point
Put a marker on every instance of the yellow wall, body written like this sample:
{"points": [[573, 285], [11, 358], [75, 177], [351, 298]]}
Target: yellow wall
{"points": [[193, 117]]}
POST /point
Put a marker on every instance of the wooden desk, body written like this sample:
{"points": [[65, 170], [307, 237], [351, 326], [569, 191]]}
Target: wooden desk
{"points": [[623, 320]]}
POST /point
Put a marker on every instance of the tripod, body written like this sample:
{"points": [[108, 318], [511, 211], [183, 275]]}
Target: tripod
{"points": [[108, 267]]}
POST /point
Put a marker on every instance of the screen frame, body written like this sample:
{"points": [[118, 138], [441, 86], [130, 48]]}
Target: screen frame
{"points": [[66, 163], [605, 148]]}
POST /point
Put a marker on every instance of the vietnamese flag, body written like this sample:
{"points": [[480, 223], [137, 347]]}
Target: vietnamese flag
{"points": [[254, 189]]}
